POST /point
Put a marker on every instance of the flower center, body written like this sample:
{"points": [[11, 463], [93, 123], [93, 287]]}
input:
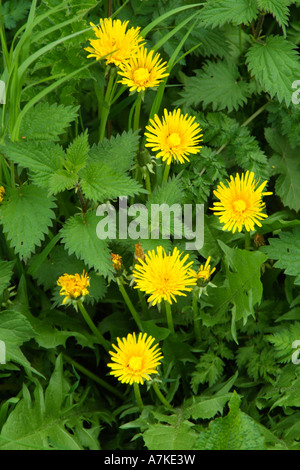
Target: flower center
{"points": [[174, 140], [239, 205], [141, 75], [135, 363]]}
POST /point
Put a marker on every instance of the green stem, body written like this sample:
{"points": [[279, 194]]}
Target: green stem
{"points": [[161, 397], [137, 112], [247, 240], [166, 173], [93, 376], [169, 317], [92, 326], [129, 304], [195, 314], [148, 183], [138, 397], [106, 105]]}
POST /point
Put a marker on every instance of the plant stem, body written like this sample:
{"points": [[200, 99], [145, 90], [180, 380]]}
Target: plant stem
{"points": [[247, 240], [92, 326], [93, 376], [138, 397], [195, 314], [161, 397], [129, 304], [106, 105], [137, 112], [148, 183], [169, 317], [166, 173]]}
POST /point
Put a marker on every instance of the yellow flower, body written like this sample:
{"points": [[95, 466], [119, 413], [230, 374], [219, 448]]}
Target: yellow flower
{"points": [[134, 359], [205, 272], [113, 39], [2, 192], [73, 286], [174, 137], [240, 202], [163, 276], [143, 70], [116, 261]]}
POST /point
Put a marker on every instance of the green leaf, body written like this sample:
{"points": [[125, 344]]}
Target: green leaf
{"points": [[286, 250], [274, 63], [206, 407], [47, 121], [242, 288], [80, 237], [13, 11], [178, 436], [237, 431], [208, 369], [278, 8], [77, 152], [282, 339], [26, 215], [45, 420], [218, 12], [217, 85], [285, 162], [6, 271], [15, 330]]}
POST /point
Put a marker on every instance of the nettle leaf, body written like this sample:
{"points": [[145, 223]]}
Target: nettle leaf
{"points": [[218, 12], [47, 121], [80, 237], [176, 435], [6, 271], [217, 85], [100, 182], [286, 164], [26, 215], [274, 63], [286, 250], [77, 152], [278, 8], [237, 431]]}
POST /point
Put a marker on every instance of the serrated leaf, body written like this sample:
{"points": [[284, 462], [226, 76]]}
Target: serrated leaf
{"points": [[237, 431], [274, 63], [286, 250], [47, 121], [206, 407], [217, 85], [77, 152], [80, 237], [26, 215], [179, 436], [6, 271], [282, 340], [285, 163], [278, 8], [218, 12], [100, 182]]}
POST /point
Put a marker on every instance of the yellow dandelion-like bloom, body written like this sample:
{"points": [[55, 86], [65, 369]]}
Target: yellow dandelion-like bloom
{"points": [[73, 285], [2, 192], [115, 39], [134, 359], [163, 276], [143, 70], [116, 261], [240, 202], [174, 137], [204, 272]]}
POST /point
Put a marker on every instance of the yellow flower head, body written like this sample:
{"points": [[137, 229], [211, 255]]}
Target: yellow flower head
{"points": [[174, 137], [143, 70], [134, 359], [204, 273], [116, 261], [240, 202], [115, 40], [2, 192], [73, 286], [163, 276]]}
